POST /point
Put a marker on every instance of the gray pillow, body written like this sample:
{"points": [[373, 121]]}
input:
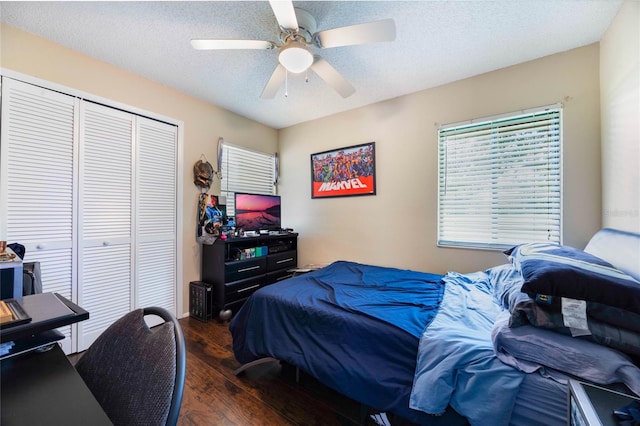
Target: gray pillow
{"points": [[529, 348]]}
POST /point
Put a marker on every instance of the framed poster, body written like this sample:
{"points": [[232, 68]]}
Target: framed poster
{"points": [[344, 172]]}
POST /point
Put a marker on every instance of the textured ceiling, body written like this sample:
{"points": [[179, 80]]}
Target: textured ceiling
{"points": [[437, 42]]}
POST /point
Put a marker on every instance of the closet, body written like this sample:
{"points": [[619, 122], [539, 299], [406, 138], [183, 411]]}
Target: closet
{"points": [[91, 192]]}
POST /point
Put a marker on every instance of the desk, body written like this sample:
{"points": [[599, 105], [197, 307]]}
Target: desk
{"points": [[48, 311], [43, 388]]}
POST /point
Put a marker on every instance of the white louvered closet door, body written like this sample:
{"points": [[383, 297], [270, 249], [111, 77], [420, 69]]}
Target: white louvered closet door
{"points": [[37, 181], [156, 212], [105, 218]]}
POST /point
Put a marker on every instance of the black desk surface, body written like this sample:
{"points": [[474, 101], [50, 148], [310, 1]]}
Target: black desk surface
{"points": [[48, 311], [43, 388]]}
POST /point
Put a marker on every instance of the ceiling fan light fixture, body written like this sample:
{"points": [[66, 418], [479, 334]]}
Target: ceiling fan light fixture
{"points": [[295, 57]]}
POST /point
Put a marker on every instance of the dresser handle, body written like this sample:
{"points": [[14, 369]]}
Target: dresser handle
{"points": [[249, 288], [249, 269], [285, 260]]}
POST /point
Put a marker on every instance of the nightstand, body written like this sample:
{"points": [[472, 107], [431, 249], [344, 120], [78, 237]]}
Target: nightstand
{"points": [[591, 405], [307, 268]]}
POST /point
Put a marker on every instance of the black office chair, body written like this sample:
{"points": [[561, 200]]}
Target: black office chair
{"points": [[135, 372]]}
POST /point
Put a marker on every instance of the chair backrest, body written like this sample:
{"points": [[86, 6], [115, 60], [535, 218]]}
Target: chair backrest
{"points": [[31, 278], [135, 372]]}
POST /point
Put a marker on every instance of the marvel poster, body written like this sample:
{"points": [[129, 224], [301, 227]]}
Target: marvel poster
{"points": [[344, 172]]}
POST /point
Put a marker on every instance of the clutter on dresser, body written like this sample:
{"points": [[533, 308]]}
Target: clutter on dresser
{"points": [[211, 216]]}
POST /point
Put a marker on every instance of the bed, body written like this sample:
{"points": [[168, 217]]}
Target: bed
{"points": [[494, 347]]}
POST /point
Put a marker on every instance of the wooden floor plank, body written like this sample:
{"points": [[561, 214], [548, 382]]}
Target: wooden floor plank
{"points": [[267, 394]]}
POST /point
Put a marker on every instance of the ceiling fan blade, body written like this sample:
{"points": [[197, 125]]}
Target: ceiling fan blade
{"points": [[232, 44], [333, 78], [371, 32], [285, 15], [274, 83]]}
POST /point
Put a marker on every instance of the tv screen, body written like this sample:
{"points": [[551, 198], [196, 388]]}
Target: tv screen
{"points": [[256, 212]]}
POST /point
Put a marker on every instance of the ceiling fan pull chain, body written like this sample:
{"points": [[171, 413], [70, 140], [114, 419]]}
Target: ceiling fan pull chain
{"points": [[286, 84], [306, 76]]}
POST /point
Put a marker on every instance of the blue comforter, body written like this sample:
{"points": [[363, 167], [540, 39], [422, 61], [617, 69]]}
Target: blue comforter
{"points": [[354, 327], [396, 340], [456, 362]]}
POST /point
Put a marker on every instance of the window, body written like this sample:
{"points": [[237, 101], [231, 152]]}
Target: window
{"points": [[245, 170], [500, 180]]}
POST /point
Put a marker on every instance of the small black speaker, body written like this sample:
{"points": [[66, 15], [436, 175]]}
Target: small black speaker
{"points": [[200, 300]]}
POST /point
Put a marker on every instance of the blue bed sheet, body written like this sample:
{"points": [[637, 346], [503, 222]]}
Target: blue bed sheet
{"points": [[354, 327], [456, 363]]}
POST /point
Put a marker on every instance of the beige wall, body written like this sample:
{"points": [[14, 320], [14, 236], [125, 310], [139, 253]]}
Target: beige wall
{"points": [[397, 227], [620, 109], [203, 123]]}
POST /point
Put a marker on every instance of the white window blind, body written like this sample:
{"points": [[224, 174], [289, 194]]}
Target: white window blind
{"points": [[245, 170], [500, 180]]}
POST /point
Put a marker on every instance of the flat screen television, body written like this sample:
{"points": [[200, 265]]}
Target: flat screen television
{"points": [[257, 212]]}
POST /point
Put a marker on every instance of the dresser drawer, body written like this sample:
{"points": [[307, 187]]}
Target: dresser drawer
{"points": [[284, 260], [240, 290], [245, 269]]}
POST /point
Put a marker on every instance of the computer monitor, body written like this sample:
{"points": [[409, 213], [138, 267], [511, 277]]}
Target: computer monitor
{"points": [[257, 212], [11, 279]]}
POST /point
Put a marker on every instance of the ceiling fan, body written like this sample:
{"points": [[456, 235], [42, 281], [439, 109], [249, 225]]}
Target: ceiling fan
{"points": [[297, 35]]}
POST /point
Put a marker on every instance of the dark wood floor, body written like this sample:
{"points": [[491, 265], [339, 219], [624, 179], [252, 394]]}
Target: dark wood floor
{"points": [[265, 395]]}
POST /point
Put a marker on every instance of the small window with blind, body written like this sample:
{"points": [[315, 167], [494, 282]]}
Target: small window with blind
{"points": [[500, 180], [246, 170]]}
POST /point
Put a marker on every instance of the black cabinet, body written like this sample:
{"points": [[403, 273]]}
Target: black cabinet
{"points": [[237, 267]]}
